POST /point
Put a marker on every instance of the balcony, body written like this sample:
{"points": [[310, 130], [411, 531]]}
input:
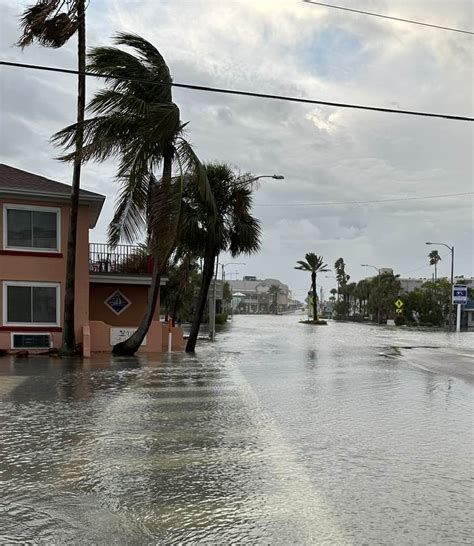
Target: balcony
{"points": [[122, 260]]}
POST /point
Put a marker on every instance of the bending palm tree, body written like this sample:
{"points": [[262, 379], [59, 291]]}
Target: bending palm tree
{"points": [[51, 25], [434, 258], [141, 125], [235, 230], [275, 291], [313, 264]]}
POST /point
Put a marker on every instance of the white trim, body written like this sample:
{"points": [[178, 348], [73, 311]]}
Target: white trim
{"points": [[32, 208], [111, 308], [30, 334], [56, 285], [119, 278]]}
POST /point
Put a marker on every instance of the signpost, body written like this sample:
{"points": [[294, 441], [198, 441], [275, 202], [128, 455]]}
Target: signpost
{"points": [[399, 306], [459, 297]]}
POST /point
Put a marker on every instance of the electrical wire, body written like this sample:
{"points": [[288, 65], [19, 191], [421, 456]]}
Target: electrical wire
{"points": [[243, 93], [389, 17], [423, 266], [362, 202]]}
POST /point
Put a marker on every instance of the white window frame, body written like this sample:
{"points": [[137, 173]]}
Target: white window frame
{"points": [[32, 208], [56, 285]]}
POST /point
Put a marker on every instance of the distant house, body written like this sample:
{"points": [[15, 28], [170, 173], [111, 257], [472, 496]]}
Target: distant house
{"points": [[111, 283], [255, 298]]}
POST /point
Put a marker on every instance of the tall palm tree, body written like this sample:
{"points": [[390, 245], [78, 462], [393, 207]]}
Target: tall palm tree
{"points": [[52, 23], [434, 258], [137, 121], [235, 229], [275, 290], [314, 264]]}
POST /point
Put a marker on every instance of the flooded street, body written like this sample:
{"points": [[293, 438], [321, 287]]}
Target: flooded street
{"points": [[280, 433]]}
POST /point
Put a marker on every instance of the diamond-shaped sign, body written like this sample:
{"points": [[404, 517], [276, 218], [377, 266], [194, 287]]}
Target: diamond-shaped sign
{"points": [[399, 303], [117, 302]]}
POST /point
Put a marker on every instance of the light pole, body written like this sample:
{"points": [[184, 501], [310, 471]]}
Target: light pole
{"points": [[333, 277], [378, 284], [243, 183], [223, 266], [451, 249]]}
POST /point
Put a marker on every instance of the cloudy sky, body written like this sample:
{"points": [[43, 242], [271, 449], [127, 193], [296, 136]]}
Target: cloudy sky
{"points": [[326, 154]]}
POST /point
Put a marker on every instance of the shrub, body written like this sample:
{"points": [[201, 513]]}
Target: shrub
{"points": [[221, 318]]}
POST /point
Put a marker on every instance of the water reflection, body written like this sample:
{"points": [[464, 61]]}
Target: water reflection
{"points": [[280, 433]]}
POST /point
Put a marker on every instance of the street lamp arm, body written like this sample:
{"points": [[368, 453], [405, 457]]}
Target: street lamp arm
{"points": [[443, 244]]}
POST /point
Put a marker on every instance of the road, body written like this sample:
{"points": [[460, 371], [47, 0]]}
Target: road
{"points": [[279, 433]]}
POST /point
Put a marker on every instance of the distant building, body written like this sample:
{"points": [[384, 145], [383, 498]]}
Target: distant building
{"points": [[251, 296]]}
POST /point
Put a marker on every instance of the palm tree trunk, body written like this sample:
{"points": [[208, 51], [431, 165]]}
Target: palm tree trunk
{"points": [[315, 303], [207, 273], [69, 339], [436, 273], [131, 345]]}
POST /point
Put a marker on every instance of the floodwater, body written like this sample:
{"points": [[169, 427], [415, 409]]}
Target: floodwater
{"points": [[279, 433]]}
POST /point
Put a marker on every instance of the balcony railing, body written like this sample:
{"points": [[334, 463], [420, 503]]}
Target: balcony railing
{"points": [[119, 260]]}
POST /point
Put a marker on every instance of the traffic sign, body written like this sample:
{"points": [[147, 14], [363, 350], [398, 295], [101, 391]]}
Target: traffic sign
{"points": [[459, 293], [399, 303], [398, 311]]}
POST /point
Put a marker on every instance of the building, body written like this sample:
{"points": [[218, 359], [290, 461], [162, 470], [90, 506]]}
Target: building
{"points": [[254, 297], [410, 284], [112, 284]]}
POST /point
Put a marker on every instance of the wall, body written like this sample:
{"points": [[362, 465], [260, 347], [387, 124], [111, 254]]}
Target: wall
{"points": [[26, 266], [97, 338], [131, 316]]}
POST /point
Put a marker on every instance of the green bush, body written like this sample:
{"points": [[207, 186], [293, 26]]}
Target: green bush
{"points": [[400, 320], [221, 318]]}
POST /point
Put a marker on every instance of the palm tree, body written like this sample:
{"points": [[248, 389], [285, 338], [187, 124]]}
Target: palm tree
{"points": [[434, 258], [314, 264], [275, 290], [139, 123], [52, 23], [234, 230]]}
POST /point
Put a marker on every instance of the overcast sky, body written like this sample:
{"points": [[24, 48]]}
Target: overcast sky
{"points": [[326, 154]]}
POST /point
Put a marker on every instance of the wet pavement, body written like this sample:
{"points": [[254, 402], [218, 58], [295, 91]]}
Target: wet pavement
{"points": [[280, 433]]}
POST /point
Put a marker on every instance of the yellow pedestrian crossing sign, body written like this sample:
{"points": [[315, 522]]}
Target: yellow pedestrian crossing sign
{"points": [[399, 303]]}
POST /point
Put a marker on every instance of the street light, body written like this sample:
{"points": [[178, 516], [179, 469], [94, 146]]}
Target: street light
{"points": [[378, 283], [223, 266], [214, 294], [451, 249], [333, 277], [243, 183]]}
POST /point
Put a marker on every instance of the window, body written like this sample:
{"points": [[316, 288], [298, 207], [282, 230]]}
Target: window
{"points": [[31, 303], [31, 228]]}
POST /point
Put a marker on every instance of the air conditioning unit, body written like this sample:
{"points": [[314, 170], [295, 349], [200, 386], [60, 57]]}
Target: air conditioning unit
{"points": [[31, 341]]}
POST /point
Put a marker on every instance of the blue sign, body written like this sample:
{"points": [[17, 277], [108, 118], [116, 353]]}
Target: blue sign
{"points": [[117, 302], [459, 294]]}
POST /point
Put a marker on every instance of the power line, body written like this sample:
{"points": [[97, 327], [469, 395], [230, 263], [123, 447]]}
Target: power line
{"points": [[423, 266], [362, 202], [243, 93], [389, 17]]}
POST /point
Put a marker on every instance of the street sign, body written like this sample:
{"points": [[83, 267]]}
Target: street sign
{"points": [[459, 293], [398, 311], [399, 303]]}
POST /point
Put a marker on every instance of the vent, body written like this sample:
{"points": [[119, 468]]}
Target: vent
{"points": [[31, 341]]}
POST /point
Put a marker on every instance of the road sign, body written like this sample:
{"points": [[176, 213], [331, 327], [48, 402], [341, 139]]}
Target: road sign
{"points": [[399, 303], [459, 293], [398, 311]]}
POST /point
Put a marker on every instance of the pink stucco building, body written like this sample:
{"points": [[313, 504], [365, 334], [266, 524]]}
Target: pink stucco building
{"points": [[111, 283]]}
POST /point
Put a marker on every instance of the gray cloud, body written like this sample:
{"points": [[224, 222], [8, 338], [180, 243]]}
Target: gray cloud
{"points": [[326, 154]]}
